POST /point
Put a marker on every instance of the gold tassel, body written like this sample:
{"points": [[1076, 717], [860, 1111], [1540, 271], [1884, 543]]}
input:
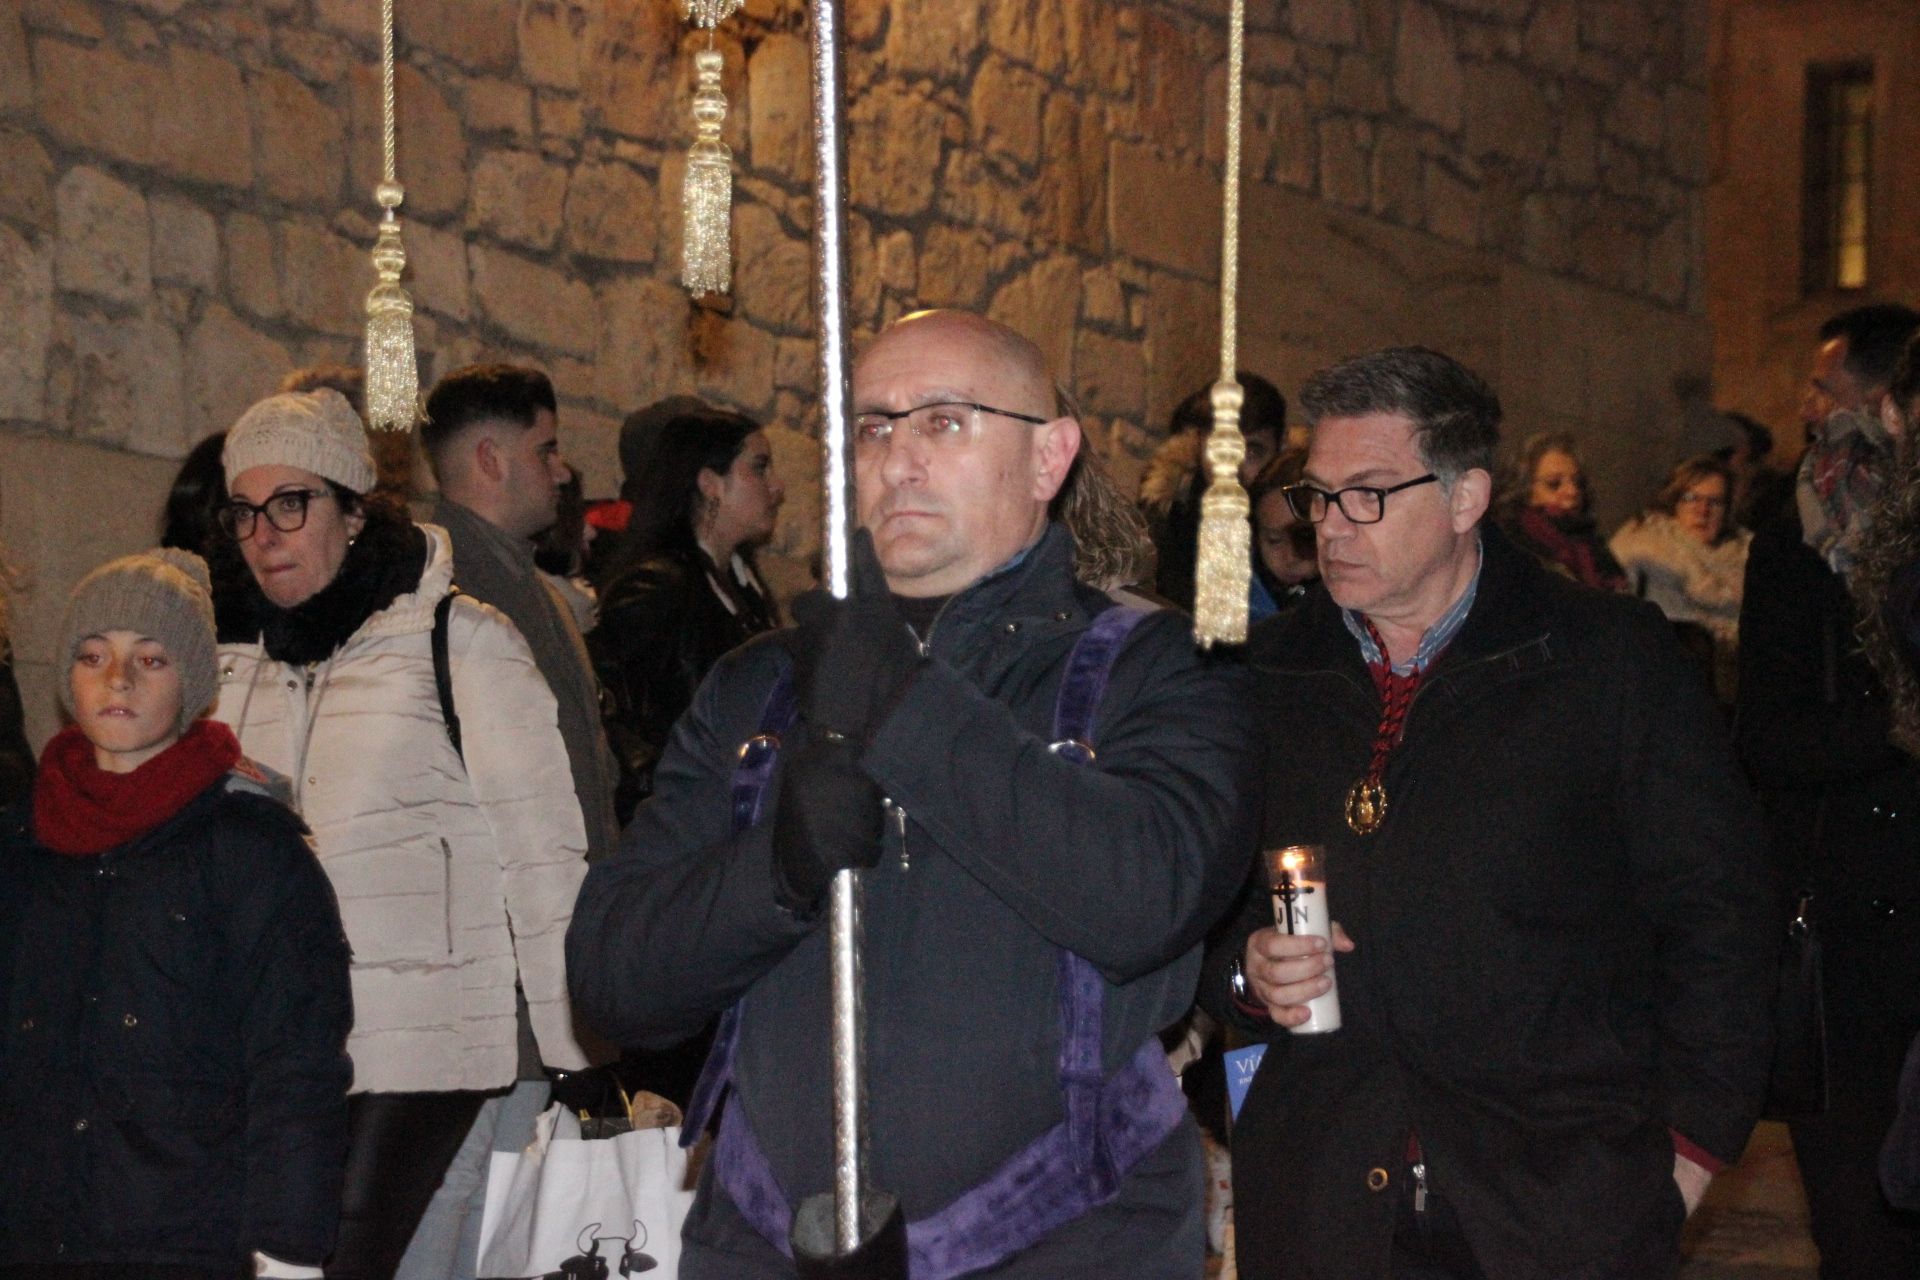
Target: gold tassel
{"points": [[392, 367], [1223, 563], [706, 262], [1224, 555], [393, 371]]}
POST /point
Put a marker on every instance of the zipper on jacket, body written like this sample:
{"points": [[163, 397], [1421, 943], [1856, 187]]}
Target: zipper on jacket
{"points": [[899, 816], [1420, 1186], [446, 888]]}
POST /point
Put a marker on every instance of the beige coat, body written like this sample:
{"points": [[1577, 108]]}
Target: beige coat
{"points": [[452, 880]]}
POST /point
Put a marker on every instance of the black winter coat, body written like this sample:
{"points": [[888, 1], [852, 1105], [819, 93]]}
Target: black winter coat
{"points": [[1843, 802], [1562, 932], [173, 1067], [16, 757], [1006, 854], [661, 629]]}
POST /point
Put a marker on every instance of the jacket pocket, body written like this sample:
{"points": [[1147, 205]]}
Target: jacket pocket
{"points": [[397, 899]]}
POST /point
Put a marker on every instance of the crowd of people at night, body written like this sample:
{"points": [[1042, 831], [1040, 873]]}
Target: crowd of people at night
{"points": [[382, 820]]}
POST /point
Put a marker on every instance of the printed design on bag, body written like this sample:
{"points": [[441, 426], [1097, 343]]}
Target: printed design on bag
{"points": [[589, 1265]]}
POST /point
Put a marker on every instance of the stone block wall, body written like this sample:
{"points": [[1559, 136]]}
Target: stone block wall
{"points": [[187, 212]]}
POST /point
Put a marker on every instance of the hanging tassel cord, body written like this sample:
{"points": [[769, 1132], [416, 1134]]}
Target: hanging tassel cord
{"points": [[392, 363], [1224, 560], [389, 115], [706, 193], [706, 256]]}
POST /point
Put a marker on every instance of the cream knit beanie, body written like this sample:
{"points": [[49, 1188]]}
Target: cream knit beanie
{"points": [[316, 431]]}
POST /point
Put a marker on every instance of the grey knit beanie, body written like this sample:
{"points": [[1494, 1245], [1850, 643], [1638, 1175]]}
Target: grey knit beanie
{"points": [[316, 431], [163, 594]]}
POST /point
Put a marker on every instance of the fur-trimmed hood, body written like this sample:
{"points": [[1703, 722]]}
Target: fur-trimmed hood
{"points": [[1676, 568], [1171, 473]]}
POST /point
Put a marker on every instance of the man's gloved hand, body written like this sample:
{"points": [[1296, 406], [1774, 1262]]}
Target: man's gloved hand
{"points": [[830, 816], [593, 1090], [852, 657]]}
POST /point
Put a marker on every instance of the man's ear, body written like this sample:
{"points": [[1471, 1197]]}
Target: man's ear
{"points": [[1891, 418], [487, 457], [1055, 445], [1471, 495]]}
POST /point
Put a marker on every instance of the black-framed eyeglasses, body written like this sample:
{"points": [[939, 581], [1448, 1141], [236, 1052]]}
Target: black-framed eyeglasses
{"points": [[286, 511], [949, 422], [1362, 504]]}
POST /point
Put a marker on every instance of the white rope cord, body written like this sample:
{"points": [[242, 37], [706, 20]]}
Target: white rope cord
{"points": [[1230, 197], [389, 171]]}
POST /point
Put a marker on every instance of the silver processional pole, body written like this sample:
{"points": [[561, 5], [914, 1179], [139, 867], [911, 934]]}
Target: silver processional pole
{"points": [[866, 1238]]}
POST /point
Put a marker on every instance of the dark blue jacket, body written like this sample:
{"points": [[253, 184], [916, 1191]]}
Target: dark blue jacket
{"points": [[1007, 854], [173, 1068]]}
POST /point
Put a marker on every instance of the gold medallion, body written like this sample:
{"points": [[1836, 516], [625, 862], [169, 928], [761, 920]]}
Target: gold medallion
{"points": [[1366, 806]]}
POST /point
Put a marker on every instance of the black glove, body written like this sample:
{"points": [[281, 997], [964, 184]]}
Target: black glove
{"points": [[590, 1089], [830, 817], [853, 657]]}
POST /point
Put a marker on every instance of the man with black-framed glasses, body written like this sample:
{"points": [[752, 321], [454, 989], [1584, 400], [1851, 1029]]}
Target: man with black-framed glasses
{"points": [[1556, 959], [1037, 884]]}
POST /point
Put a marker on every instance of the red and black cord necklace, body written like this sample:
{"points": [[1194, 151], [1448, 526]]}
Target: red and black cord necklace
{"points": [[1367, 798]]}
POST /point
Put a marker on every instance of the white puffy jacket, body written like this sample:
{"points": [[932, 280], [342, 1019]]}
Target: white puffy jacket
{"points": [[452, 880]]}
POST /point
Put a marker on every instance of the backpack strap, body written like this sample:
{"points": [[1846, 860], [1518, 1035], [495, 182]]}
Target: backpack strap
{"points": [[752, 775], [443, 669]]}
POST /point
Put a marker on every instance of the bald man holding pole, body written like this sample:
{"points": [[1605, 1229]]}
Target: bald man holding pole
{"points": [[1050, 798]]}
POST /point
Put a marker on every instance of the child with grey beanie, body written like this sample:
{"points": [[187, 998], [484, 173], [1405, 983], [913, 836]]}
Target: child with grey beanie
{"points": [[172, 958], [162, 594]]}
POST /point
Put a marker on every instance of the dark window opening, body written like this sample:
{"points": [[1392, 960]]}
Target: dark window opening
{"points": [[1835, 204]]}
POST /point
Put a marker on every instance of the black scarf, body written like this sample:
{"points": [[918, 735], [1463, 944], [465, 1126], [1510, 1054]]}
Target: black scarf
{"points": [[383, 563]]}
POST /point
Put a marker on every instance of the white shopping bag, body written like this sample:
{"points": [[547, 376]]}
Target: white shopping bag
{"points": [[543, 1203]]}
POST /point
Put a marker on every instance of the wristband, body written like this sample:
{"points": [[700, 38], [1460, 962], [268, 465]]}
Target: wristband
{"points": [[1241, 993]]}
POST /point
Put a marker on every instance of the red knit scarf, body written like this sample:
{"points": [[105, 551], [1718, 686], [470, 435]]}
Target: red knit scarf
{"points": [[81, 809]]}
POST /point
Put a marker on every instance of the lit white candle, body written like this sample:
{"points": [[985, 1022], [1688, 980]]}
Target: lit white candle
{"points": [[1297, 878]]}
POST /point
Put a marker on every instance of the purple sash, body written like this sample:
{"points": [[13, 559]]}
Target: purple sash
{"points": [[1110, 1123]]}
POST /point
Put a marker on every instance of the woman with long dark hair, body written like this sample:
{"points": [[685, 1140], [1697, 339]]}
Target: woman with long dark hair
{"points": [[683, 589]]}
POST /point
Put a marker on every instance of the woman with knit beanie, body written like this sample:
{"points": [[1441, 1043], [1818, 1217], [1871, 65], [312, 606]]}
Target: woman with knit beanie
{"points": [[456, 860], [173, 1073]]}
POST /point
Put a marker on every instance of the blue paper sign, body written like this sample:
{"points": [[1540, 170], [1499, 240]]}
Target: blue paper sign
{"points": [[1241, 1065]]}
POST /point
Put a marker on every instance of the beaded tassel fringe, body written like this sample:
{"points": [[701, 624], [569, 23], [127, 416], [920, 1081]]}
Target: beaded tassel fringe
{"points": [[393, 372], [1223, 559], [706, 264]]}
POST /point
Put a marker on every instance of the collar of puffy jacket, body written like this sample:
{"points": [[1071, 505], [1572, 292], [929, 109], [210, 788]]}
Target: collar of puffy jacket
{"points": [[412, 610], [386, 593]]}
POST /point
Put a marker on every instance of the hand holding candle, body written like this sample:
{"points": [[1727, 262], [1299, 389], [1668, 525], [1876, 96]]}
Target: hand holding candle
{"points": [[1291, 965]]}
